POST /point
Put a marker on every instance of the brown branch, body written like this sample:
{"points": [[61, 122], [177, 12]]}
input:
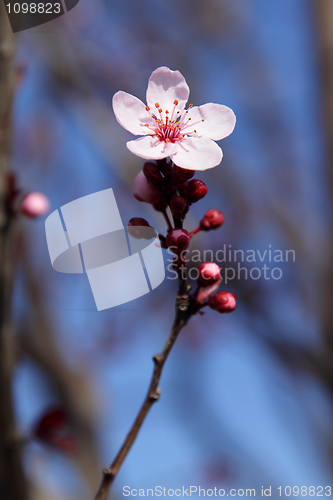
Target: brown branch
{"points": [[324, 10], [12, 481], [182, 316]]}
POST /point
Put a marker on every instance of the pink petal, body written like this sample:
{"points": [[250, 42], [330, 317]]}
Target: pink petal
{"points": [[131, 113], [151, 148], [219, 121], [164, 87], [197, 153]]}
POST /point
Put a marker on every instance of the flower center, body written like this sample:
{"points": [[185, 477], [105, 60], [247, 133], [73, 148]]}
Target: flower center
{"points": [[169, 127]]}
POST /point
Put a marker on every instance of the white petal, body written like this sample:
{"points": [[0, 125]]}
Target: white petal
{"points": [[164, 87], [151, 148], [219, 121], [131, 113], [197, 153]]}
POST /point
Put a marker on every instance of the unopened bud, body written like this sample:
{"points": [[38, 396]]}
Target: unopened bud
{"points": [[212, 220], [223, 302], [34, 205], [181, 175], [178, 205], [143, 191], [137, 221], [152, 173], [183, 188], [178, 240], [196, 190], [209, 273], [161, 205], [139, 228]]}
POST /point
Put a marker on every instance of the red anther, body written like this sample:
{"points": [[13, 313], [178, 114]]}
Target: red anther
{"points": [[196, 190], [157, 105], [152, 173], [209, 273], [143, 191], [223, 302], [178, 240], [147, 108], [178, 205], [34, 205], [175, 102], [212, 220]]}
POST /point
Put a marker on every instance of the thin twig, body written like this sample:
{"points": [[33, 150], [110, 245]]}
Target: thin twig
{"points": [[182, 316]]}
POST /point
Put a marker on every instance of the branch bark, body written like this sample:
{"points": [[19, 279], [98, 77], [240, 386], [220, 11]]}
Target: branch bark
{"points": [[182, 315], [12, 479]]}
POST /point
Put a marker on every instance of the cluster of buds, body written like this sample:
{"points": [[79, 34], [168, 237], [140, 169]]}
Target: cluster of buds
{"points": [[162, 186], [165, 185]]}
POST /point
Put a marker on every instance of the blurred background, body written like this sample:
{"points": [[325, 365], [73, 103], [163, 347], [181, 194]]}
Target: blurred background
{"points": [[247, 397]]}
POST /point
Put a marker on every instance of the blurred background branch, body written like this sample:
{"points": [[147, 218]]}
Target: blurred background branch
{"points": [[13, 485]]}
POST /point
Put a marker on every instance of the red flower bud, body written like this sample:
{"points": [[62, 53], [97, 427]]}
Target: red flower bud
{"points": [[137, 221], [161, 205], [212, 220], [143, 191], [137, 228], [34, 205], [178, 240], [181, 175], [183, 188], [223, 302], [178, 205], [196, 190], [152, 173], [209, 274]]}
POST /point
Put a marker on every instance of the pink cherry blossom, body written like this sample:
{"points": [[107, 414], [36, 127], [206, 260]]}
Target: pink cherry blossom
{"points": [[168, 129]]}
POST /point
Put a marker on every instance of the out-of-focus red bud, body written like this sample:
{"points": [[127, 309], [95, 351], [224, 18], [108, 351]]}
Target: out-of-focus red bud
{"points": [[209, 273], [152, 173], [34, 205], [178, 240], [143, 191], [53, 429], [196, 190], [223, 302], [65, 443], [178, 205], [212, 220]]}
